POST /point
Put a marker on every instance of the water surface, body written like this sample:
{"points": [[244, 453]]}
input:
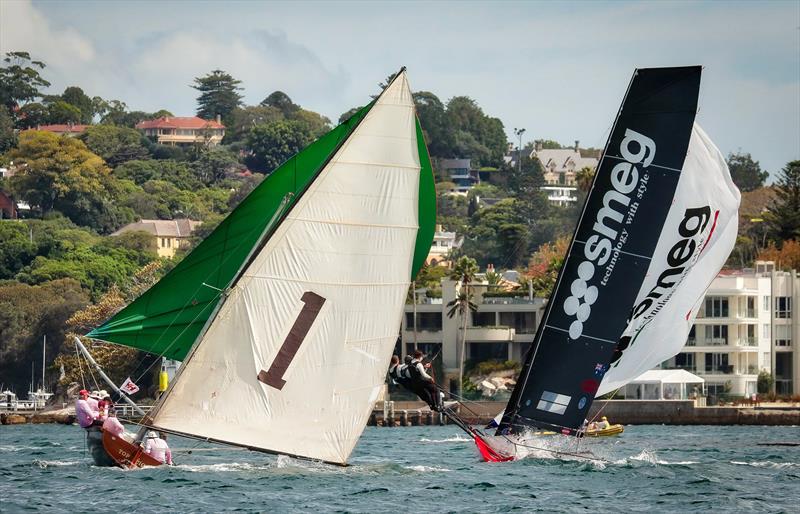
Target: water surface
{"points": [[419, 469]]}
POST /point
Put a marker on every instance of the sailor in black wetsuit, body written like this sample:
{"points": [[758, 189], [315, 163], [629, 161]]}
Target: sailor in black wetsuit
{"points": [[397, 372], [423, 384]]}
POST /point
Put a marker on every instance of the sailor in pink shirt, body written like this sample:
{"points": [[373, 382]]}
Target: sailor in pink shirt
{"points": [[83, 410], [157, 447], [112, 425]]}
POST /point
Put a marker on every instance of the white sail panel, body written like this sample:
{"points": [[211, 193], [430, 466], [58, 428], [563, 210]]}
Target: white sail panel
{"points": [[334, 278], [697, 238]]}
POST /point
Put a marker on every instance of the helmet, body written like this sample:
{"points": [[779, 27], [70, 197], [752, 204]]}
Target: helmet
{"points": [[152, 434], [605, 418]]}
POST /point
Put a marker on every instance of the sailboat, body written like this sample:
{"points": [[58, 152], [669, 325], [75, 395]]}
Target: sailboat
{"points": [[657, 226], [286, 315]]}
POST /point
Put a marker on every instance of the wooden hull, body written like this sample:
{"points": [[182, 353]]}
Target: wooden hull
{"points": [[94, 441], [606, 432], [126, 454]]}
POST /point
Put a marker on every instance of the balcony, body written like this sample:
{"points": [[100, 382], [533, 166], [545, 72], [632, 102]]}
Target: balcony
{"points": [[495, 334], [719, 370], [507, 300], [747, 341]]}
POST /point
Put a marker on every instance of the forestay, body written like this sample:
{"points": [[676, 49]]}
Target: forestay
{"points": [[697, 238], [298, 352], [611, 251]]}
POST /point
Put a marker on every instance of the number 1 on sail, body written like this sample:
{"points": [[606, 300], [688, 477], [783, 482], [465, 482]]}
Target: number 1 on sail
{"points": [[274, 377]]}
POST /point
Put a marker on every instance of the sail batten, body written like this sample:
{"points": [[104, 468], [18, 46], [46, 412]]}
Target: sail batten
{"points": [[296, 356]]}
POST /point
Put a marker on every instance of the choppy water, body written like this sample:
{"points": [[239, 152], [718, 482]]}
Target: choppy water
{"points": [[649, 468]]}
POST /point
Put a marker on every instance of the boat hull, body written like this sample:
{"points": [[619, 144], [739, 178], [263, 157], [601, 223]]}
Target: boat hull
{"points": [[126, 454], [94, 441], [606, 432]]}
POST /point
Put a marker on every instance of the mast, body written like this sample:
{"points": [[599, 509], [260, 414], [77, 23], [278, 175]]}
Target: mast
{"points": [[110, 382], [44, 349]]}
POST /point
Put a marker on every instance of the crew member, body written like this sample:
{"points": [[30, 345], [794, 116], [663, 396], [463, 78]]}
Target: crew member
{"points": [[603, 423], [397, 371], [156, 447], [112, 424], [423, 384], [83, 410], [104, 405]]}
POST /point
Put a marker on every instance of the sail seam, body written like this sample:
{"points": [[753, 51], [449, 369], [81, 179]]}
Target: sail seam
{"points": [[319, 283], [381, 164], [650, 166], [582, 335], [354, 224]]}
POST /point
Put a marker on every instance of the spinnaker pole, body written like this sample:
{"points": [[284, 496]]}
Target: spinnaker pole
{"points": [[111, 384]]}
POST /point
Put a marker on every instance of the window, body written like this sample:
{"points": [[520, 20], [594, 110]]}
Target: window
{"points": [[747, 307], [783, 307], [718, 363], [163, 242], [765, 331], [481, 352], [766, 303], [521, 322], [692, 339], [766, 362], [716, 307], [428, 321], [716, 335], [783, 335], [483, 319], [685, 361]]}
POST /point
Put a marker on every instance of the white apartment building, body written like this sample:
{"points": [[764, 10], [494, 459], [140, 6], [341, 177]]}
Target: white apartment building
{"points": [[502, 328], [442, 246], [745, 325]]}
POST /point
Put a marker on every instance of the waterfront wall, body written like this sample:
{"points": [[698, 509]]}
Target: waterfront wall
{"points": [[626, 412]]}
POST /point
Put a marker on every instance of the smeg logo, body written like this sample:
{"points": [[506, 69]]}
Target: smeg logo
{"points": [[583, 295]]}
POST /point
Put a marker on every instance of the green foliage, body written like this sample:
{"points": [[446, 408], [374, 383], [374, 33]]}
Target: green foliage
{"points": [[16, 248], [475, 135], [783, 214], [491, 366], [179, 174], [8, 138], [115, 145], [765, 382], [243, 119], [61, 174], [745, 172], [497, 234], [27, 314], [20, 80], [75, 97], [348, 114], [272, 144], [434, 123], [32, 115], [281, 101], [214, 164], [60, 111], [219, 95]]}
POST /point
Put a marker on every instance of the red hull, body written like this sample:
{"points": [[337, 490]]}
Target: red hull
{"points": [[125, 454], [488, 453]]}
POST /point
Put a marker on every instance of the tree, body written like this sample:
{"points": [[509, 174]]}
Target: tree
{"points": [[783, 214], [179, 174], [464, 273], [270, 145], [75, 96], [16, 249], [31, 115], [765, 382], [745, 172], [219, 95], [20, 80], [8, 138], [584, 178], [115, 145], [787, 257], [475, 135], [545, 264], [316, 124], [433, 120], [214, 164], [348, 114], [281, 101], [27, 314], [243, 119], [59, 173], [63, 112]]}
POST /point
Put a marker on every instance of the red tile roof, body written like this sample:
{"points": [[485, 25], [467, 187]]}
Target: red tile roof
{"points": [[188, 122], [63, 128]]}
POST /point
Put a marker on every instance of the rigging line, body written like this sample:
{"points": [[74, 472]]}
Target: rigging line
{"points": [[605, 404], [80, 368]]}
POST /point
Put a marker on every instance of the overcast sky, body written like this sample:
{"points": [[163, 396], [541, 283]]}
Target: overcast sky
{"points": [[557, 69]]}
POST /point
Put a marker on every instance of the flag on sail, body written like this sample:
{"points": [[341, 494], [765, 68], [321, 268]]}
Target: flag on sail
{"points": [[697, 238], [296, 355], [129, 387], [611, 251]]}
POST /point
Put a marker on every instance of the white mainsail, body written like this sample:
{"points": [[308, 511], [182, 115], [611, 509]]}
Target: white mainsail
{"points": [[697, 238], [334, 278]]}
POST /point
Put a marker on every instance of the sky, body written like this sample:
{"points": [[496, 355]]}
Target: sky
{"points": [[557, 69]]}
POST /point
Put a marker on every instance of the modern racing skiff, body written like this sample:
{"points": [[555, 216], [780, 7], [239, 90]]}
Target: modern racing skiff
{"points": [[658, 224], [286, 315]]}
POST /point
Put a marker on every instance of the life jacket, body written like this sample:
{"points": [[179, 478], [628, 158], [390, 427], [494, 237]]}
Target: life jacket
{"points": [[412, 372], [397, 372]]}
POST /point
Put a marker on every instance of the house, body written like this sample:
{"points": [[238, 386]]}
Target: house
{"points": [[560, 168], [8, 208], [460, 172], [441, 247], [169, 234], [63, 129], [179, 131], [746, 324]]}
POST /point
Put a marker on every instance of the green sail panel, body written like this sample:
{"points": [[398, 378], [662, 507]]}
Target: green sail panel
{"points": [[427, 206], [169, 316]]}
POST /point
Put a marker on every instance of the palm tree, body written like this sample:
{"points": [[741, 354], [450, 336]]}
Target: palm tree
{"points": [[463, 272], [584, 178]]}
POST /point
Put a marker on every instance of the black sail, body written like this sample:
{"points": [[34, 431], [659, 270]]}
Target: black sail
{"points": [[610, 252]]}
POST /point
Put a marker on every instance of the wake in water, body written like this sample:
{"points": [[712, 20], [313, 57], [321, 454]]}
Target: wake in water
{"points": [[767, 464], [456, 439]]}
